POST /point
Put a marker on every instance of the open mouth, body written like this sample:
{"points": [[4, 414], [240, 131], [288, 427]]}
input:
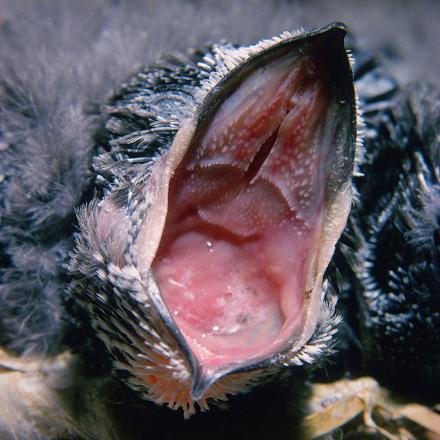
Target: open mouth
{"points": [[245, 214]]}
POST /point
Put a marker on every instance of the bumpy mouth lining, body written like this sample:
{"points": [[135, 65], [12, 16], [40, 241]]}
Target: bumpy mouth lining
{"points": [[245, 214]]}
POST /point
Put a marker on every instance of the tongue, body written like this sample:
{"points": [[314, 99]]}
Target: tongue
{"points": [[245, 208], [219, 292], [227, 296]]}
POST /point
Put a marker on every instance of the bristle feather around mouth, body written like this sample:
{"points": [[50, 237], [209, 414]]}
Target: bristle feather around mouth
{"points": [[203, 270]]}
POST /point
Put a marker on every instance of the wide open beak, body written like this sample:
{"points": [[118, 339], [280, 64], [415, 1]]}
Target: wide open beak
{"points": [[221, 282], [256, 195]]}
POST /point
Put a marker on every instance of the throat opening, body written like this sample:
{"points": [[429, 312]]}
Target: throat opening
{"points": [[261, 156]]}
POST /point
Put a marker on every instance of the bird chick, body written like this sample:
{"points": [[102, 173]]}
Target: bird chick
{"points": [[225, 184]]}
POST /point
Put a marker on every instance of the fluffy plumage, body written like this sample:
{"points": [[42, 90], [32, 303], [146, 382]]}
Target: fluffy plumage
{"points": [[397, 256]]}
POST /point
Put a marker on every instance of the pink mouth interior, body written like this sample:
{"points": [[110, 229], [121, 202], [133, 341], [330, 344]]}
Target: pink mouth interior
{"points": [[245, 213]]}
